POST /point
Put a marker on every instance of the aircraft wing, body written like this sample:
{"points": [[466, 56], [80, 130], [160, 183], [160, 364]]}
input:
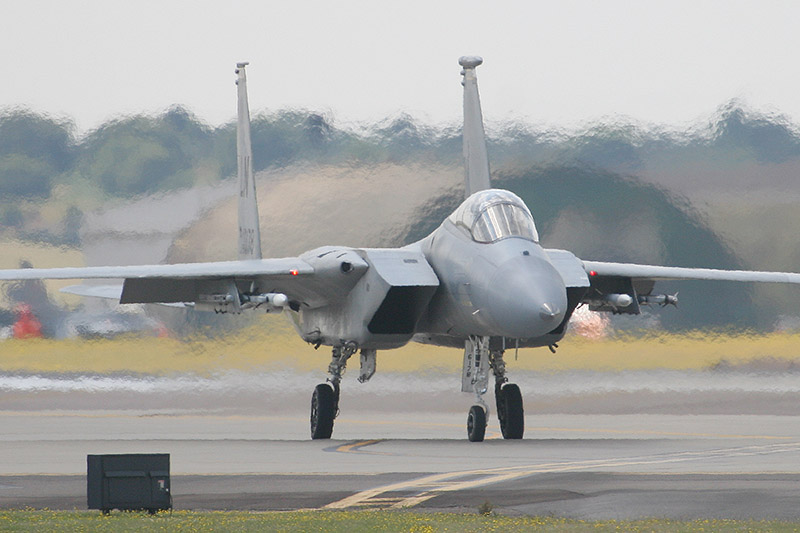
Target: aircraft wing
{"points": [[181, 270], [662, 273], [215, 283], [621, 287]]}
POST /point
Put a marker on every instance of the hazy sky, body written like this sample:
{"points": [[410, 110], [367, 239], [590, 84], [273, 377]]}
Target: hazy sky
{"points": [[558, 63]]}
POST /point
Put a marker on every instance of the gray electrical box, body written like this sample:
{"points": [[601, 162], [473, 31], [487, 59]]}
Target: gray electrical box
{"points": [[135, 481]]}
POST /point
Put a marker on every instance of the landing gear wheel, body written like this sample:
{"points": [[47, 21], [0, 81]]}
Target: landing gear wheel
{"points": [[476, 423], [323, 411], [510, 411]]}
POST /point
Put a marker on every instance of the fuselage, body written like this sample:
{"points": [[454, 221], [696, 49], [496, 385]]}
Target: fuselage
{"points": [[481, 273], [507, 288]]}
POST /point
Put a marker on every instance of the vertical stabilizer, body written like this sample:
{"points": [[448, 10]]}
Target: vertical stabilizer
{"points": [[476, 159], [249, 232]]}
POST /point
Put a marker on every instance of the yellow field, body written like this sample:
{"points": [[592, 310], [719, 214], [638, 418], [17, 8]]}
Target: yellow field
{"points": [[279, 348]]}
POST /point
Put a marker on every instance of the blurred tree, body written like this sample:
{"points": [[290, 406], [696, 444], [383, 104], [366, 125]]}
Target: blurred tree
{"points": [[11, 216], [22, 176], [38, 137], [770, 138], [278, 139], [141, 154]]}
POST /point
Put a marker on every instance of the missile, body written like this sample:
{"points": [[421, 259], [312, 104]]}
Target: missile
{"points": [[659, 299], [273, 299], [618, 300], [226, 303]]}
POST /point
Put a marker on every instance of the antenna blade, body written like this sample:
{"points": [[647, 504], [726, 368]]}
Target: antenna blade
{"points": [[249, 231], [476, 158]]}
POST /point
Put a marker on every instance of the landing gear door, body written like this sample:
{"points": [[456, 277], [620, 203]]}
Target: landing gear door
{"points": [[475, 370]]}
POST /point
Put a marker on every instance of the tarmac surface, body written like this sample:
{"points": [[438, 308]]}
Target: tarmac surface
{"points": [[711, 445]]}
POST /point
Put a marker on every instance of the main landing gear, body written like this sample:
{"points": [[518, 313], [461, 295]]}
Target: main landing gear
{"points": [[324, 408], [479, 357], [325, 400]]}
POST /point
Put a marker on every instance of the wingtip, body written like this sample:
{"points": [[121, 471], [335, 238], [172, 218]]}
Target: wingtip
{"points": [[470, 61]]}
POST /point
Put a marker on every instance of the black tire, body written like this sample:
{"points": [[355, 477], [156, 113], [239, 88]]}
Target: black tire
{"points": [[323, 411], [510, 412], [476, 424], [499, 401]]}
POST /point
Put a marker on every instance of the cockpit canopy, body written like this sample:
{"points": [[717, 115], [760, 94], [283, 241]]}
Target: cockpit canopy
{"points": [[495, 214]]}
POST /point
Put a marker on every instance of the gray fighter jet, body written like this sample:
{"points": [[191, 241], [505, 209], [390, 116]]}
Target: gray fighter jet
{"points": [[481, 281]]}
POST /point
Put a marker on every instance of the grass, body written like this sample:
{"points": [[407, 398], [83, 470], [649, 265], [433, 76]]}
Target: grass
{"points": [[350, 522], [272, 344]]}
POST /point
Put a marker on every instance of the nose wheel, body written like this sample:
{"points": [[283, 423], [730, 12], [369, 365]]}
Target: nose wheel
{"points": [[476, 423]]}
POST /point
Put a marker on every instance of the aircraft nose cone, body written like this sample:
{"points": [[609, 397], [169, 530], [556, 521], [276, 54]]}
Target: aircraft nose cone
{"points": [[527, 298]]}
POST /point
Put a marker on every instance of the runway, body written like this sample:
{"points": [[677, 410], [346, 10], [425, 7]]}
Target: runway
{"points": [[716, 446]]}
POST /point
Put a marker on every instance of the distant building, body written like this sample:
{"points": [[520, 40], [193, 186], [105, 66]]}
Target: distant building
{"points": [[142, 231]]}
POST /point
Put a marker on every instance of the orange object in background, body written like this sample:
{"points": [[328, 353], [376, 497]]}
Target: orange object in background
{"points": [[27, 325]]}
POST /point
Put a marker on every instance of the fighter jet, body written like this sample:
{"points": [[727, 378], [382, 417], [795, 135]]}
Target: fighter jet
{"points": [[481, 282]]}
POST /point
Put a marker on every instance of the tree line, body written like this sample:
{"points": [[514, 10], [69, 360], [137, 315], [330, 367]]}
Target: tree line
{"points": [[144, 154]]}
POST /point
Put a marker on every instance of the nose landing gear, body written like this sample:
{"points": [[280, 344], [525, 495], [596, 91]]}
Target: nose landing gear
{"points": [[478, 359], [325, 400], [475, 378]]}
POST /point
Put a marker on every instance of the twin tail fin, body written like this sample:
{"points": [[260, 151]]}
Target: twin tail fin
{"points": [[249, 231]]}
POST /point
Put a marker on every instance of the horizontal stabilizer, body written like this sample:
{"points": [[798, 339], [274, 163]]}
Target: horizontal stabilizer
{"points": [[111, 292]]}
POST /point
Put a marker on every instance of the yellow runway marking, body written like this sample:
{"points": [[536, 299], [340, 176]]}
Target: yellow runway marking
{"points": [[355, 447], [428, 487]]}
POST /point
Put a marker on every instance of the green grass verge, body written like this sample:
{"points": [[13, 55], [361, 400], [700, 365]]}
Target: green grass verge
{"points": [[349, 522]]}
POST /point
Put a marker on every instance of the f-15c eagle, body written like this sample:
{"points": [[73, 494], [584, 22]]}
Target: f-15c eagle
{"points": [[481, 281]]}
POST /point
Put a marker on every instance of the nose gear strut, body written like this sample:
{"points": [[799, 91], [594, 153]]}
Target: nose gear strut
{"points": [[475, 378], [481, 355]]}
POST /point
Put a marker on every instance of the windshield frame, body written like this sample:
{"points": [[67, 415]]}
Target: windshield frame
{"points": [[495, 214], [502, 220]]}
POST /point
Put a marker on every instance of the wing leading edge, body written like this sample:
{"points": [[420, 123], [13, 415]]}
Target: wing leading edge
{"points": [[222, 284], [221, 269], [663, 273]]}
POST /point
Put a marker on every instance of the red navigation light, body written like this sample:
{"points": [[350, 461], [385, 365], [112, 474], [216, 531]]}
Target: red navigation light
{"points": [[592, 273], [293, 272]]}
